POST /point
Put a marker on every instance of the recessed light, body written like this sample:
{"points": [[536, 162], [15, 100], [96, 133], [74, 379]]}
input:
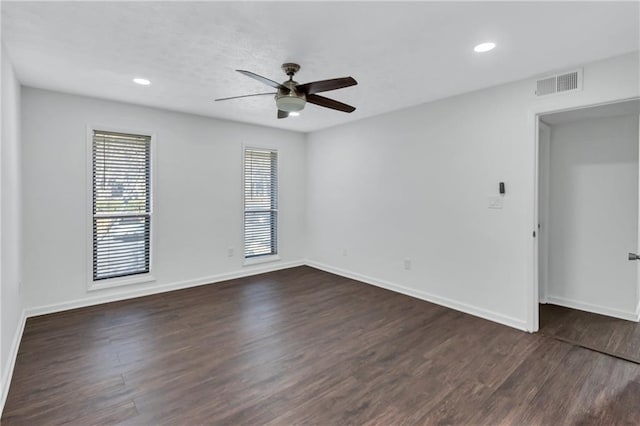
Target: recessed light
{"points": [[484, 47], [294, 114], [142, 81]]}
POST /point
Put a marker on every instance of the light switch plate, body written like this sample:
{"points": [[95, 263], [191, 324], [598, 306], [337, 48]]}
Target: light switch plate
{"points": [[495, 201]]}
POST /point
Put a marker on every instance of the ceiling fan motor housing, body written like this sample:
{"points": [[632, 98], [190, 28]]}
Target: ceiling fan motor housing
{"points": [[290, 100]]}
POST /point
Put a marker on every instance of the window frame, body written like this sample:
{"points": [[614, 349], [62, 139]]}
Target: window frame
{"points": [[130, 279], [266, 257]]}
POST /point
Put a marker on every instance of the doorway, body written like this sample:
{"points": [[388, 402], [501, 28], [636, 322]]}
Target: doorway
{"points": [[588, 197]]}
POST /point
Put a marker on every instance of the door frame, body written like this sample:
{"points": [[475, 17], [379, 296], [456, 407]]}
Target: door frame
{"points": [[533, 296], [543, 244]]}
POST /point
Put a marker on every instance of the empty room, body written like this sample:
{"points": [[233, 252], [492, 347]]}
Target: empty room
{"points": [[324, 213]]}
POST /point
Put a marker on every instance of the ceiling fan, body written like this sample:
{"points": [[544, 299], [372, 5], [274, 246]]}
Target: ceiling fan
{"points": [[291, 97]]}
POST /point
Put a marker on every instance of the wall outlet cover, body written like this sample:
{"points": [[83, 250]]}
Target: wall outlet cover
{"points": [[496, 201], [407, 264]]}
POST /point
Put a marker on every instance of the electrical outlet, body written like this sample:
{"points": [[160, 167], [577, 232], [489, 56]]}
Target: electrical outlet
{"points": [[407, 264], [496, 201], [230, 252]]}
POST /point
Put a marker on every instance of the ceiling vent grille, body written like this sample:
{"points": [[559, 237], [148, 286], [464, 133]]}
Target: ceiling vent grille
{"points": [[559, 83]]}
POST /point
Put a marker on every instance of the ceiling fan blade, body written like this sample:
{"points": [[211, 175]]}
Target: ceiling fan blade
{"points": [[329, 103], [326, 85], [245, 96], [262, 79], [282, 114]]}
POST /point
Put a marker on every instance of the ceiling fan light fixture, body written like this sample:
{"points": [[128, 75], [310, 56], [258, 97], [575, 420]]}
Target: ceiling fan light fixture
{"points": [[290, 103], [291, 97]]}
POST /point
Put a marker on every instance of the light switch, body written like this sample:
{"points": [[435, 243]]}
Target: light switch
{"points": [[495, 201]]}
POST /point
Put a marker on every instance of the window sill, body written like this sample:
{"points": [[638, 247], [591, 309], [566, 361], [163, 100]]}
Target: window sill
{"points": [[119, 282], [261, 259]]}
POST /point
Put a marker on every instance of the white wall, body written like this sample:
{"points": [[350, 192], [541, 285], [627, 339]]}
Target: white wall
{"points": [[415, 184], [198, 204], [10, 218], [593, 215]]}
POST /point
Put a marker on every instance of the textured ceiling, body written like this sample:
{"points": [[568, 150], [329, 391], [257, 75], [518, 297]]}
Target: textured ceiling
{"points": [[401, 53]]}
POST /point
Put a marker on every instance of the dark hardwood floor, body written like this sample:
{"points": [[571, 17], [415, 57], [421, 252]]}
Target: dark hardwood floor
{"points": [[301, 346], [606, 334]]}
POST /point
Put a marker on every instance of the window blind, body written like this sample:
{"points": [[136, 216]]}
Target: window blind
{"points": [[121, 204], [260, 202]]}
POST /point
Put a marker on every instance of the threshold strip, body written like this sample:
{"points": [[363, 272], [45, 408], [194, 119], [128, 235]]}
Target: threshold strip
{"points": [[592, 348]]}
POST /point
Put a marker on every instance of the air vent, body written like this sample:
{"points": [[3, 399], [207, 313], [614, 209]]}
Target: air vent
{"points": [[559, 83], [547, 86]]}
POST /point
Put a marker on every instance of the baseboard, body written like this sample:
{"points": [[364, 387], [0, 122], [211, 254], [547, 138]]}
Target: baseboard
{"points": [[438, 300], [596, 309], [11, 361], [638, 312], [453, 304], [97, 300]]}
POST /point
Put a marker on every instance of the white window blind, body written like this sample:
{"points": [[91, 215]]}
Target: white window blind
{"points": [[121, 204], [260, 202]]}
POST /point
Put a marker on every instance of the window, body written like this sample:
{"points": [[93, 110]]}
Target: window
{"points": [[121, 204], [260, 202]]}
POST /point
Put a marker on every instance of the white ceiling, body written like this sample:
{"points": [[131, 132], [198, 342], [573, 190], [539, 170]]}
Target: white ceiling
{"points": [[602, 111], [401, 53]]}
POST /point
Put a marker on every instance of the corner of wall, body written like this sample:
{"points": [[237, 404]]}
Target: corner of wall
{"points": [[12, 313], [7, 371], [305, 223]]}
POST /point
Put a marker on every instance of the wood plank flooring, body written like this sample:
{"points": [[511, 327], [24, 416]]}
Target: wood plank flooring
{"points": [[301, 346], [606, 334]]}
